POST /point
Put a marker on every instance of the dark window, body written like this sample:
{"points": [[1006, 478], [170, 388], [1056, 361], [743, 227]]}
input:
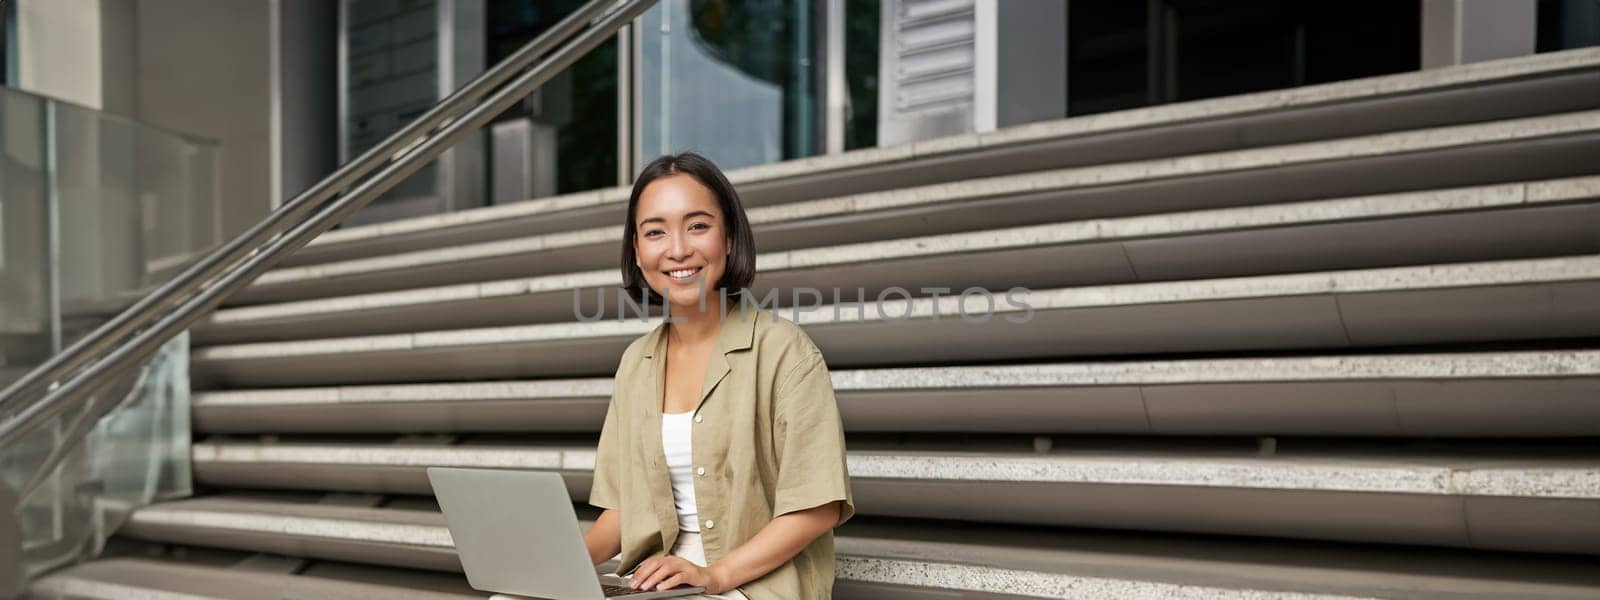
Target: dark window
{"points": [[1128, 54], [581, 101], [861, 33], [1567, 24], [1108, 47], [8, 38]]}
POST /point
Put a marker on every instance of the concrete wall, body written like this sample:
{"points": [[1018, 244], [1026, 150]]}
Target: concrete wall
{"points": [[203, 68], [58, 49], [257, 76], [1464, 31]]}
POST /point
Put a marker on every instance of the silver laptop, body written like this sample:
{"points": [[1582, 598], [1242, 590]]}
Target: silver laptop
{"points": [[516, 533]]}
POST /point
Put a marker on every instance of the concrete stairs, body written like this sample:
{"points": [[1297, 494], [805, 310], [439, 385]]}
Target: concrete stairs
{"points": [[1330, 342]]}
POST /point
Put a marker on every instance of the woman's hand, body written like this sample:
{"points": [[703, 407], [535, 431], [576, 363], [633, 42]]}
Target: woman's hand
{"points": [[666, 572]]}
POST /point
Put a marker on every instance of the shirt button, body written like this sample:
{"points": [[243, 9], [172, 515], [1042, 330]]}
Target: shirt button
{"points": [[710, 524], [700, 471], [698, 418]]}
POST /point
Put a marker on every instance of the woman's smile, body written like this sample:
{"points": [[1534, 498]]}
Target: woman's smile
{"points": [[684, 275]]}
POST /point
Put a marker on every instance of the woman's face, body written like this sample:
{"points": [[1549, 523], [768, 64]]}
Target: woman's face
{"points": [[680, 240]]}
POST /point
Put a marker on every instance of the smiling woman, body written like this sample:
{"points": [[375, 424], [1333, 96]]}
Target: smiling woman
{"points": [[685, 225], [726, 414]]}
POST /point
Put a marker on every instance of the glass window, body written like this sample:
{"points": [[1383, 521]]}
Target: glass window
{"points": [[736, 81], [8, 44], [862, 20], [25, 320], [580, 103], [392, 77], [1567, 24], [1107, 47]]}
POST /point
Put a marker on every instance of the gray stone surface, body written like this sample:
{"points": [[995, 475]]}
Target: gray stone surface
{"points": [[1043, 585], [441, 392], [1074, 232], [336, 528], [1400, 474], [1046, 564], [129, 578], [1061, 179], [1145, 117], [1498, 365], [1493, 273]]}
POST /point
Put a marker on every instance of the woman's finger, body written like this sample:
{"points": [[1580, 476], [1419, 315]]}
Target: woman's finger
{"points": [[673, 581], [641, 574], [664, 569]]}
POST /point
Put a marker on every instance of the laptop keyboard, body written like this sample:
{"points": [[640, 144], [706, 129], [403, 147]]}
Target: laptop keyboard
{"points": [[612, 591]]}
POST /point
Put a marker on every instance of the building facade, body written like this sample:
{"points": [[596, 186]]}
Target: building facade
{"points": [[293, 87]]}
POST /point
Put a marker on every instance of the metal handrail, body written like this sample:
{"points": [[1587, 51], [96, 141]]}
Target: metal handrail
{"points": [[13, 397], [409, 159]]}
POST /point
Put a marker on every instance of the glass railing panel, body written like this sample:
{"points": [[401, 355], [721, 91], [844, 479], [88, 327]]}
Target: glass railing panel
{"points": [[139, 452], [136, 205], [26, 323], [97, 199], [177, 193], [135, 453], [96, 210]]}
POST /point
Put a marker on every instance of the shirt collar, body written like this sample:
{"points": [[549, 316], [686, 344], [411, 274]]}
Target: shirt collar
{"points": [[738, 330]]}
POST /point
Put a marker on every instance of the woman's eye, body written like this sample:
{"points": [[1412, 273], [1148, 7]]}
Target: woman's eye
{"points": [[692, 227]]}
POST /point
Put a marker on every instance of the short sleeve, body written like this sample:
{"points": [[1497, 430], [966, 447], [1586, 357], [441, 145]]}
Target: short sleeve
{"points": [[606, 490], [809, 437]]}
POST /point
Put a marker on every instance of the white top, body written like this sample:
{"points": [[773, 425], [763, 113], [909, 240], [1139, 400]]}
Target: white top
{"points": [[675, 434]]}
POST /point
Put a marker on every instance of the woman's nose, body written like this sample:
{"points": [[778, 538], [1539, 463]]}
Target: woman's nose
{"points": [[679, 248]]}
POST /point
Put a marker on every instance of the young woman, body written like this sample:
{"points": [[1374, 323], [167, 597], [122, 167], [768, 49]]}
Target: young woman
{"points": [[721, 463]]}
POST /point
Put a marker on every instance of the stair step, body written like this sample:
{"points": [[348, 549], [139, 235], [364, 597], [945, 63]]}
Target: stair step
{"points": [[1404, 395], [1488, 301], [1514, 498], [1504, 221], [1446, 209], [1502, 151], [1519, 87], [931, 559], [156, 579]]}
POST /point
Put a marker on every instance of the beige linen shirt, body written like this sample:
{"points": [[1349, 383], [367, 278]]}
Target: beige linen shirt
{"points": [[767, 440]]}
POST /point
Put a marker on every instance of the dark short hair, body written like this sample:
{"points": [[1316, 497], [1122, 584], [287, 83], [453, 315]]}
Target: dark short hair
{"points": [[741, 265]]}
